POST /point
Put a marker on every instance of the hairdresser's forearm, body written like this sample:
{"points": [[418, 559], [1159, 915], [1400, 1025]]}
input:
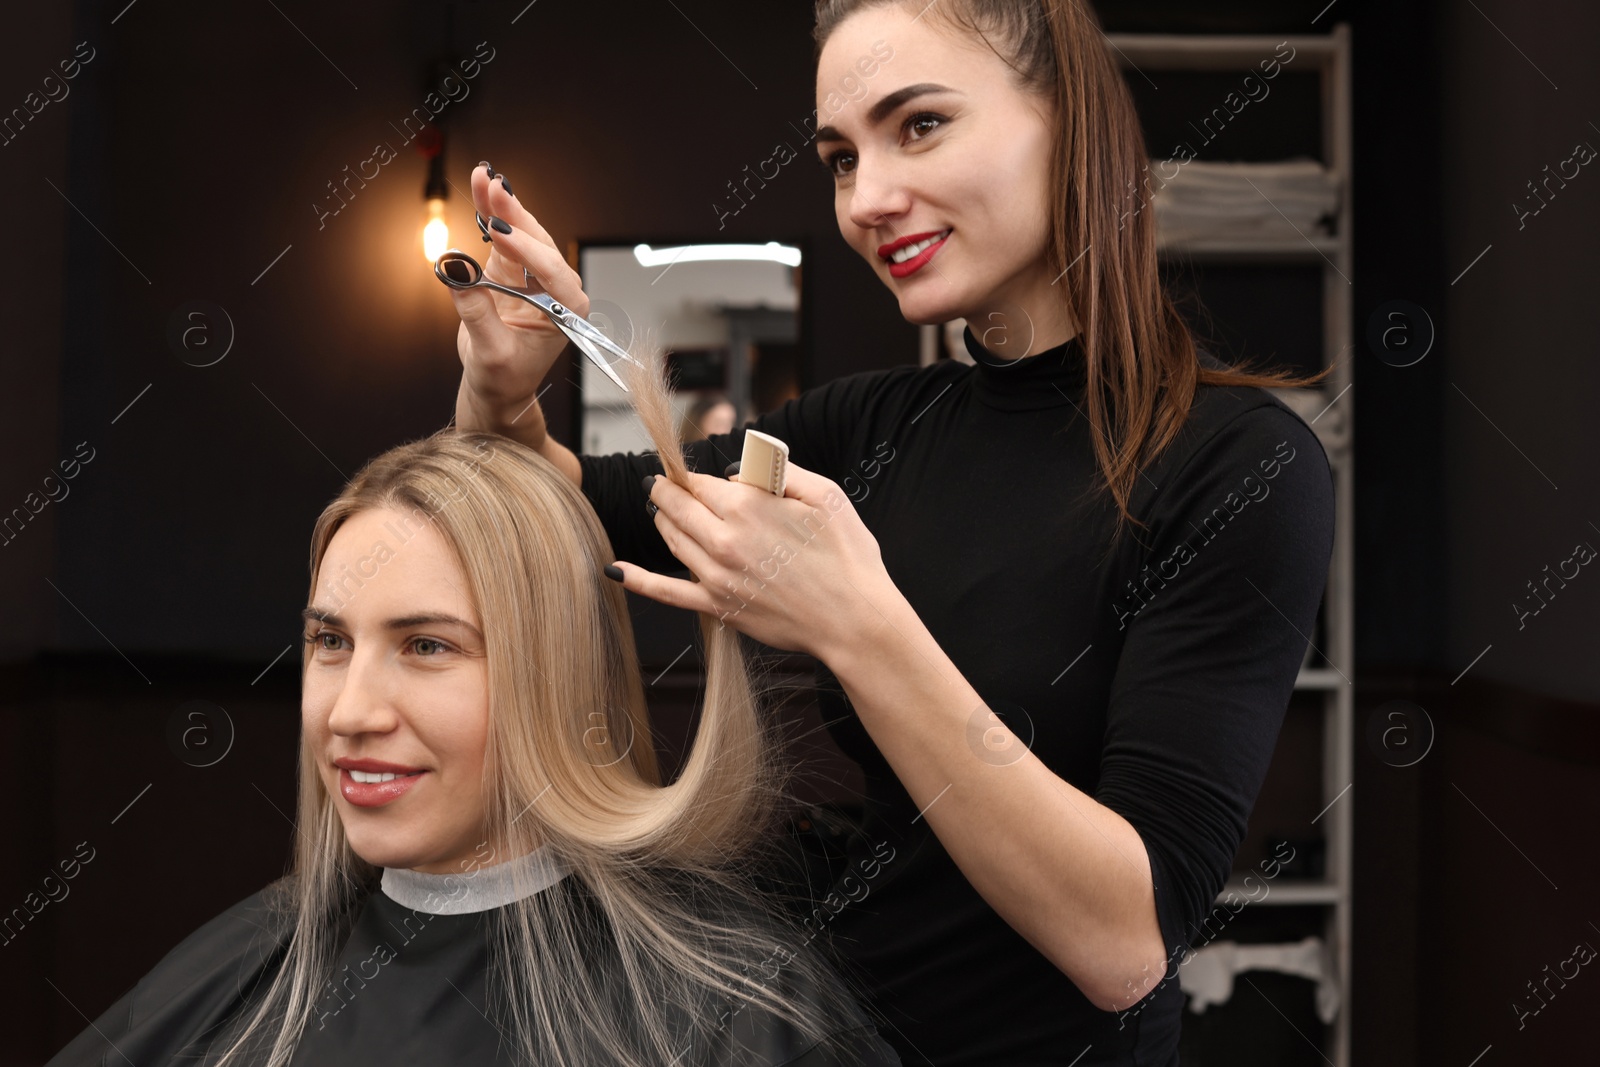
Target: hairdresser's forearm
{"points": [[1067, 873], [521, 421]]}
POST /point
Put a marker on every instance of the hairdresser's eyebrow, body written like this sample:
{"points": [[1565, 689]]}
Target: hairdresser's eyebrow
{"points": [[886, 106], [435, 618]]}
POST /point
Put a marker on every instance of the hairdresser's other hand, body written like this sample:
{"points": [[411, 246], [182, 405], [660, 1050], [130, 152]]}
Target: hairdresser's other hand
{"points": [[508, 346], [799, 573]]}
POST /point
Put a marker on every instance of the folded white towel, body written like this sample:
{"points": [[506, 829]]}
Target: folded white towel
{"points": [[1259, 199], [1207, 974]]}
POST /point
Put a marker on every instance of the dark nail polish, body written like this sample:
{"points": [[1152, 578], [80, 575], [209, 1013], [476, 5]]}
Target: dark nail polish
{"points": [[648, 481], [458, 271], [484, 163], [731, 469], [498, 223], [613, 572], [651, 507], [507, 184]]}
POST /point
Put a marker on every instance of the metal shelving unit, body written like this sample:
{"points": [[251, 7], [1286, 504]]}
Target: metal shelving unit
{"points": [[1331, 54]]}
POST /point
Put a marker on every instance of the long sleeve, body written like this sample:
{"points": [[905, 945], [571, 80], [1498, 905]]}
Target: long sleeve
{"points": [[815, 426], [1240, 542]]}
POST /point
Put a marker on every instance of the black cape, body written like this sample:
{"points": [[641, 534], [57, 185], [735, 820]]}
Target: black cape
{"points": [[420, 1001]]}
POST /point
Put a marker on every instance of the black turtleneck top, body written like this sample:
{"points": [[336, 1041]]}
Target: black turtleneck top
{"points": [[1153, 678]]}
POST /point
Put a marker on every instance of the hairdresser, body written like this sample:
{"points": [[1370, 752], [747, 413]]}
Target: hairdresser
{"points": [[1052, 633]]}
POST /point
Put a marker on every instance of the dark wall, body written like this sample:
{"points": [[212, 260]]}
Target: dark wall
{"points": [[1505, 858], [1523, 483]]}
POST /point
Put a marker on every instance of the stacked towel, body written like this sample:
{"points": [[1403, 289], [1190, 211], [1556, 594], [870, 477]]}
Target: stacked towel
{"points": [[1207, 974], [1243, 201]]}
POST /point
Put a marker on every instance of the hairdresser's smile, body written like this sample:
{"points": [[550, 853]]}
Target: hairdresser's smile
{"points": [[941, 174], [395, 704], [908, 254]]}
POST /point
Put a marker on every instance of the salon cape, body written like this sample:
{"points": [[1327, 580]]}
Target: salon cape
{"points": [[419, 1001]]}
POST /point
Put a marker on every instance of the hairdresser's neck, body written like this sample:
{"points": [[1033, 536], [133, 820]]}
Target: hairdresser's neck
{"points": [[1011, 328]]}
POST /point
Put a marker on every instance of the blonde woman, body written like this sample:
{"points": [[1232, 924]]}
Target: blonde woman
{"points": [[488, 867]]}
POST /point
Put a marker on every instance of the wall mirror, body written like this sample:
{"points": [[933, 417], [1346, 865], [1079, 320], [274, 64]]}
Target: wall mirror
{"points": [[728, 315]]}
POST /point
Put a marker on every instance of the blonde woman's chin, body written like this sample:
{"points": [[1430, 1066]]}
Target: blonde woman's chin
{"points": [[396, 848]]}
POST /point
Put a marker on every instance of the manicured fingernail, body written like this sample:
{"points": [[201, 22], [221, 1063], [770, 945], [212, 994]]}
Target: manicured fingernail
{"points": [[731, 469], [613, 572], [648, 481], [484, 163], [498, 223], [505, 182], [458, 270], [651, 507]]}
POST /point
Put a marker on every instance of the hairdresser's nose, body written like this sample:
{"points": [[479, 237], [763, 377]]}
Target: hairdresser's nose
{"points": [[365, 702], [879, 198]]}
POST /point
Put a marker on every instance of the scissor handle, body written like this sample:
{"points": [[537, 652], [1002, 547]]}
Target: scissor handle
{"points": [[460, 271], [457, 269]]}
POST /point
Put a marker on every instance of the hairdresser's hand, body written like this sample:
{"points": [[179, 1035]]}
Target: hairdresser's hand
{"points": [[799, 573], [508, 346]]}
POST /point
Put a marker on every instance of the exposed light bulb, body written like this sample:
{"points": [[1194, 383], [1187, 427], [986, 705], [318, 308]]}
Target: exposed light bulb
{"points": [[436, 234]]}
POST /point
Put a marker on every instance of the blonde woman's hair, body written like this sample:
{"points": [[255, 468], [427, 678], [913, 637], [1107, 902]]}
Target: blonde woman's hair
{"points": [[570, 765]]}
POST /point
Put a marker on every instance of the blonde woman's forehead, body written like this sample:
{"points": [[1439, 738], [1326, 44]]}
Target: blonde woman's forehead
{"points": [[383, 566]]}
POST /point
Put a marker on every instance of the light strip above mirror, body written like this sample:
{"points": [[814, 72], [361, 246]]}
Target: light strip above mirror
{"points": [[772, 250]]}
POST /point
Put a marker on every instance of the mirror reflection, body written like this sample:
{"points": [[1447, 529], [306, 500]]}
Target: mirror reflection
{"points": [[728, 315]]}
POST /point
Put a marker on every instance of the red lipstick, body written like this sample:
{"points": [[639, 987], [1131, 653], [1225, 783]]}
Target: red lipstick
{"points": [[916, 262]]}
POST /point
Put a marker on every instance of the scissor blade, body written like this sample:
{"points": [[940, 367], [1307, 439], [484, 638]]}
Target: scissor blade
{"points": [[596, 345], [589, 348], [580, 331], [598, 338]]}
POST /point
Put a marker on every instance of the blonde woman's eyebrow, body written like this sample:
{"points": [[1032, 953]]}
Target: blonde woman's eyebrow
{"points": [[405, 622], [886, 106]]}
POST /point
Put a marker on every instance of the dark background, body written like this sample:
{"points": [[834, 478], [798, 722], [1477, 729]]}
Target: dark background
{"points": [[188, 156]]}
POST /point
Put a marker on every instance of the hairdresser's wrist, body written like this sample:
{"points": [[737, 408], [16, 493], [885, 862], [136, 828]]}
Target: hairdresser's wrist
{"points": [[876, 615], [521, 419]]}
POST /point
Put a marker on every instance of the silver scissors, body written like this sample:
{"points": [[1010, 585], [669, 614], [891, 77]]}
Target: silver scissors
{"points": [[460, 271]]}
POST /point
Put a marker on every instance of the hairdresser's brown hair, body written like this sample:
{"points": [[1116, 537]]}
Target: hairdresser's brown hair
{"points": [[1141, 357]]}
